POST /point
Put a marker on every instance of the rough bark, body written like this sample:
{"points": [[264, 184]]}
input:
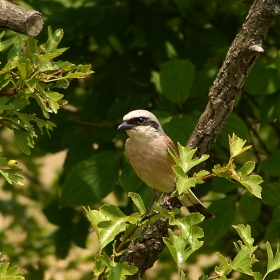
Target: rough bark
{"points": [[231, 77], [20, 20]]}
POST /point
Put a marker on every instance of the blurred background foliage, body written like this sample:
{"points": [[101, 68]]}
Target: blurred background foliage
{"points": [[129, 45]]}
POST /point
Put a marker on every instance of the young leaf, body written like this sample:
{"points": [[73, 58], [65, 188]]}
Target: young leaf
{"points": [[176, 246], [224, 268], [108, 222], [236, 146], [137, 200], [245, 234], [183, 182], [9, 274], [186, 156], [273, 262], [250, 182], [189, 231]]}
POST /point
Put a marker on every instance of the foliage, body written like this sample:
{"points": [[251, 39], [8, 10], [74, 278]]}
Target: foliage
{"points": [[109, 221], [134, 48], [9, 273]]}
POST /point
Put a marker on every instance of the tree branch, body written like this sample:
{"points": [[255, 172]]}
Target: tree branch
{"points": [[231, 77], [236, 67], [18, 19]]}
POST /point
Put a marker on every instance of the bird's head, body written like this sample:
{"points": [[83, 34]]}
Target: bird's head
{"points": [[141, 123]]}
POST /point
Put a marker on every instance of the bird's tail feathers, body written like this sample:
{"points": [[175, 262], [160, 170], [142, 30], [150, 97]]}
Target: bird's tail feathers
{"points": [[193, 204]]}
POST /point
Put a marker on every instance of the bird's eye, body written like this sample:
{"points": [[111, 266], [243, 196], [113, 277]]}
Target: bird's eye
{"points": [[141, 120]]}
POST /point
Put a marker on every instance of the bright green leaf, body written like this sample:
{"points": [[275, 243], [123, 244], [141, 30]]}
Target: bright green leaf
{"points": [[224, 268], [236, 146], [273, 262]]}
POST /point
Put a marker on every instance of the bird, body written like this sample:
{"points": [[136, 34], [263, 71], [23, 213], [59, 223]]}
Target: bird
{"points": [[146, 150]]}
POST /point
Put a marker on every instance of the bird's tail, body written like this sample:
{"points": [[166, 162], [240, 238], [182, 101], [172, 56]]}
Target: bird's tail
{"points": [[193, 204]]}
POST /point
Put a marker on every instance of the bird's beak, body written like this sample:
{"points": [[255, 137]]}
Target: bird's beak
{"points": [[125, 126]]}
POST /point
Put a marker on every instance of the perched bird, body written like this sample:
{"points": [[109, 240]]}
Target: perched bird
{"points": [[147, 152]]}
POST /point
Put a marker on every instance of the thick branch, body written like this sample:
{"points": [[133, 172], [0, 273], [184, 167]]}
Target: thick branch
{"points": [[20, 20], [231, 77]]}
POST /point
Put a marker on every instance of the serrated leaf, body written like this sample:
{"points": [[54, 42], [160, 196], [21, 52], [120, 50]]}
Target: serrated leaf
{"points": [[176, 79], [108, 222], [242, 262], [236, 146], [224, 268], [273, 262], [11, 176], [187, 162], [9, 274], [251, 183], [183, 182], [245, 234], [189, 231], [176, 246], [114, 270]]}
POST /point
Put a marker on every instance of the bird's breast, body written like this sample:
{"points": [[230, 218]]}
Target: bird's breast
{"points": [[152, 163]]}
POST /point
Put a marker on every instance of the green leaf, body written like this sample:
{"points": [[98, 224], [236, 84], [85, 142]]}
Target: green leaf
{"points": [[183, 182], [176, 246], [91, 180], [276, 214], [224, 268], [236, 146], [273, 262], [257, 276], [187, 162], [129, 180], [268, 81], [114, 270], [251, 182], [242, 262], [189, 231], [137, 200], [271, 165], [9, 274], [270, 193], [222, 185], [108, 222], [224, 211], [245, 234], [272, 231], [176, 79], [24, 140], [11, 176], [53, 39], [249, 206]]}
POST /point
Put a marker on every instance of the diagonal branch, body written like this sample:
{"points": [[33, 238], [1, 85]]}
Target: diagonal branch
{"points": [[236, 67], [231, 77]]}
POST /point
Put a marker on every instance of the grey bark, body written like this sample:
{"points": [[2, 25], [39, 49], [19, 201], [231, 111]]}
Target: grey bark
{"points": [[19, 19], [231, 77]]}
